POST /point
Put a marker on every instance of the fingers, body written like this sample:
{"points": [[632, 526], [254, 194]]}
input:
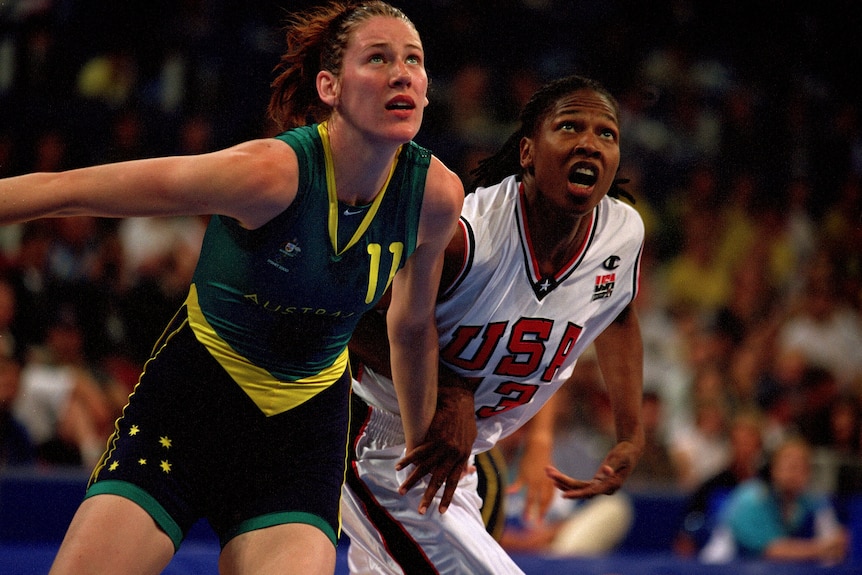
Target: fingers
{"points": [[437, 481], [446, 476], [443, 465], [448, 493], [414, 456], [428, 497], [415, 476], [605, 482]]}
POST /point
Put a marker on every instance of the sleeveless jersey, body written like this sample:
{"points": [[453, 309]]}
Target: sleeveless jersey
{"points": [[516, 332], [277, 305]]}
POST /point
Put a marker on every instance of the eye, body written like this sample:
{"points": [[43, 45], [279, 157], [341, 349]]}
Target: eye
{"points": [[376, 58], [609, 134], [414, 59]]}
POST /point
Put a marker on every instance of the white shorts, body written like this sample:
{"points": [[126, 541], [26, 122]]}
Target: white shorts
{"points": [[387, 533]]}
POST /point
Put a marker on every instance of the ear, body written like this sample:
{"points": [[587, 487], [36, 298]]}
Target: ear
{"points": [[327, 88], [526, 153]]}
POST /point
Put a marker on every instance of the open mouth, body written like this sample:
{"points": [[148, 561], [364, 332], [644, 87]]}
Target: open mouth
{"points": [[399, 106], [400, 103], [583, 175]]}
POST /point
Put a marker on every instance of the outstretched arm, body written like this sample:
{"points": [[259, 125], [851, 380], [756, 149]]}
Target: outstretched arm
{"points": [[620, 352], [251, 182]]}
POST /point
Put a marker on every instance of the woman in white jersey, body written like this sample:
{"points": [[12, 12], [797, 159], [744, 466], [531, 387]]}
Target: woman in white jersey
{"points": [[544, 263]]}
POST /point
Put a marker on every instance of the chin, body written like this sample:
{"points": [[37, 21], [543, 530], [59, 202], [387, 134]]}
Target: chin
{"points": [[400, 135], [581, 196]]}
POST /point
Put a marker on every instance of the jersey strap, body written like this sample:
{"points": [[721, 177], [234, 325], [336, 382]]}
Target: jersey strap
{"points": [[333, 196]]}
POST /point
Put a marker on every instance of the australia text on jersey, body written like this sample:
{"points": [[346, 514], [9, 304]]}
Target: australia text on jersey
{"points": [[269, 306]]}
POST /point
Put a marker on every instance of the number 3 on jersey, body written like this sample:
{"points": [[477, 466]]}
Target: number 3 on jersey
{"points": [[375, 251], [514, 393]]}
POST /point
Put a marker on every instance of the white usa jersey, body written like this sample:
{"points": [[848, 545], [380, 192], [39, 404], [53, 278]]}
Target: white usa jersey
{"points": [[509, 328]]}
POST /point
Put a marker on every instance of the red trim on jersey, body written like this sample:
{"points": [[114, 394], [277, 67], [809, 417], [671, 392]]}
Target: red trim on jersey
{"points": [[533, 264]]}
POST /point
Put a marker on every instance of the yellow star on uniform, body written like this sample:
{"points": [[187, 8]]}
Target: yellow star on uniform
{"points": [[134, 430], [165, 442], [142, 461], [166, 467], [114, 466]]}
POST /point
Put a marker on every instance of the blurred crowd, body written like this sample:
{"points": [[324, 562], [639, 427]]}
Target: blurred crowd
{"points": [[741, 141]]}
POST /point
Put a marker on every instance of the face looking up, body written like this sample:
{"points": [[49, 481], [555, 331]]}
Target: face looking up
{"points": [[382, 86], [574, 155]]}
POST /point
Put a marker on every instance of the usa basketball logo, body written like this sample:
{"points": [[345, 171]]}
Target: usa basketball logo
{"points": [[604, 286]]}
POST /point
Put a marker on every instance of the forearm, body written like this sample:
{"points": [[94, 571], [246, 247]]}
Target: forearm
{"points": [[250, 182], [414, 374], [620, 354], [110, 190], [537, 455], [450, 380], [32, 196]]}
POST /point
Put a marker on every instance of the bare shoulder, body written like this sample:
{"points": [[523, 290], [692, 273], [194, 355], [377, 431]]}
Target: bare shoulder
{"points": [[267, 170], [444, 192], [268, 156]]}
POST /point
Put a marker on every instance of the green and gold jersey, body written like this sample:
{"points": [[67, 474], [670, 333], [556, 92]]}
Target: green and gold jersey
{"points": [[276, 306]]}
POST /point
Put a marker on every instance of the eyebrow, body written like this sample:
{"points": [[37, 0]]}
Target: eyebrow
{"points": [[384, 44], [579, 111]]}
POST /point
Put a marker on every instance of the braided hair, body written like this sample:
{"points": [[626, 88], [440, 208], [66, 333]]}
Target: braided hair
{"points": [[507, 160]]}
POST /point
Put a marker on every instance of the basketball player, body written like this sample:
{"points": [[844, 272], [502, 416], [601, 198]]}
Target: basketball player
{"points": [[544, 263], [241, 413]]}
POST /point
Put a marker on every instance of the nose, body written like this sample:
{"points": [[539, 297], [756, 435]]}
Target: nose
{"points": [[401, 74], [585, 145]]}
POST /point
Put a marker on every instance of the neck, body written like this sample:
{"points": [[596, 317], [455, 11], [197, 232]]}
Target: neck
{"points": [[361, 165], [555, 236]]}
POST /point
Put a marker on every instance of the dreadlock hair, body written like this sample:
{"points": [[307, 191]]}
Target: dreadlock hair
{"points": [[316, 41], [507, 160]]}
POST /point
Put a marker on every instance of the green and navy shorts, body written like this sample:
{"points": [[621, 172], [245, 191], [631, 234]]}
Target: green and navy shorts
{"points": [[192, 445]]}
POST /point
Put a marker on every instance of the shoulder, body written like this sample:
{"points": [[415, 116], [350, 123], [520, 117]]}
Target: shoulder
{"points": [[484, 201], [443, 180], [620, 221], [444, 192], [264, 150], [300, 136], [623, 211], [267, 172], [413, 152]]}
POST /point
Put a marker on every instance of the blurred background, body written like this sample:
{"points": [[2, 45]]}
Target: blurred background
{"points": [[741, 138]]}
